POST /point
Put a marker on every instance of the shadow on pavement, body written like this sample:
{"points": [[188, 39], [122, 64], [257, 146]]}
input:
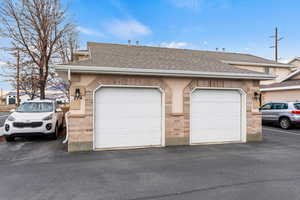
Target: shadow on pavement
{"points": [[277, 127]]}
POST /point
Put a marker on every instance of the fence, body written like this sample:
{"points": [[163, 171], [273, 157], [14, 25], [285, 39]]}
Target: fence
{"points": [[6, 108]]}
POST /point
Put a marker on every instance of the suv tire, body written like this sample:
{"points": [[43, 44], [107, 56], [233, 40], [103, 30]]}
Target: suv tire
{"points": [[55, 134], [285, 123], [9, 138]]}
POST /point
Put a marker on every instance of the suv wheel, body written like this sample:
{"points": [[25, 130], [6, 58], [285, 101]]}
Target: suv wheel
{"points": [[285, 123], [55, 134], [9, 138]]}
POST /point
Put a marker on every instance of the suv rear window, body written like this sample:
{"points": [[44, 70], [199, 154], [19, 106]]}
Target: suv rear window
{"points": [[297, 106]]}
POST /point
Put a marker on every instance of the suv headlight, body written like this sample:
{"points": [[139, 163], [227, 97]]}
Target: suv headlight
{"points": [[11, 118], [49, 117]]}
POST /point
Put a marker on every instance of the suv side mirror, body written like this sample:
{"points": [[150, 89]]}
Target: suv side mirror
{"points": [[58, 110]]}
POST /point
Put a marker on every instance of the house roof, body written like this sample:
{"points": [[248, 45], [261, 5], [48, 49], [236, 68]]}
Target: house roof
{"points": [[293, 60], [285, 85], [291, 75], [15, 93], [104, 56]]}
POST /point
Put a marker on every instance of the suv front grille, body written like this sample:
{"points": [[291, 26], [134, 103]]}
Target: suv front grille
{"points": [[25, 125]]}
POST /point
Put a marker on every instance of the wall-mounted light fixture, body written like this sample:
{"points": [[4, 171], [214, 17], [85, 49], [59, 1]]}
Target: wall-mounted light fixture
{"points": [[77, 94], [257, 96]]}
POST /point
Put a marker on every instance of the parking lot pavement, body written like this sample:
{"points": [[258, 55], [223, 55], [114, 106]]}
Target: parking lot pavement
{"points": [[262, 170]]}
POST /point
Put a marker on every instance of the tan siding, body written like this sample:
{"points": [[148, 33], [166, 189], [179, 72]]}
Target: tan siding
{"points": [[253, 68], [295, 77], [296, 63], [280, 73], [287, 95], [177, 102]]}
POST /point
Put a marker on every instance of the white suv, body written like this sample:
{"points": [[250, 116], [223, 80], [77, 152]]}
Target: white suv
{"points": [[36, 117]]}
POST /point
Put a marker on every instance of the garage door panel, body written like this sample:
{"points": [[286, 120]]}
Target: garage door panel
{"points": [[212, 136], [215, 116], [131, 140], [127, 109], [128, 117], [127, 125]]}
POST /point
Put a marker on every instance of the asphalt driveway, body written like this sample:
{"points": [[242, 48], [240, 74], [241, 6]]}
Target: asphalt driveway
{"points": [[43, 170]]}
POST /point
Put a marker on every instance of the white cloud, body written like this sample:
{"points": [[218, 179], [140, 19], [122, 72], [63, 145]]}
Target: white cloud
{"points": [[88, 31], [126, 29], [2, 64], [173, 44]]}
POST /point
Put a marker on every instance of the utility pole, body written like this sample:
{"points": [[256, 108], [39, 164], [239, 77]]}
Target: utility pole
{"points": [[18, 77], [276, 42], [1, 95]]}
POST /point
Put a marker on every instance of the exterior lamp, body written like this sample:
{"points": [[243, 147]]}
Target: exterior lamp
{"points": [[77, 94], [257, 96]]}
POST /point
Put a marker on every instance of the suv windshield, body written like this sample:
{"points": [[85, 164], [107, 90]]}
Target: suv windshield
{"points": [[297, 106], [35, 107]]}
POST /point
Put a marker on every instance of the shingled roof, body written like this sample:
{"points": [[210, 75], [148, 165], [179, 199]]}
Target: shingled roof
{"points": [[158, 58], [286, 83]]}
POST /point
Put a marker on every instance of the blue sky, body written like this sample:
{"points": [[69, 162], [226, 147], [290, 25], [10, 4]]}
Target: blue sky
{"points": [[237, 25]]}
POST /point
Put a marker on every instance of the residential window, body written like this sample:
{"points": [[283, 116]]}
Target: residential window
{"points": [[267, 70]]}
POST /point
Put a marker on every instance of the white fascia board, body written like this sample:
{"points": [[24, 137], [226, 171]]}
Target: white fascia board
{"points": [[156, 72], [257, 64], [294, 87]]}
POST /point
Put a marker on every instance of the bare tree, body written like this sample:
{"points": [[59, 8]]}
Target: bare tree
{"points": [[36, 27], [60, 85], [29, 80], [28, 73], [68, 45]]}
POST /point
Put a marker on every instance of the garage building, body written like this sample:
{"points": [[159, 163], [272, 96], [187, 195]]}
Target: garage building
{"points": [[126, 96]]}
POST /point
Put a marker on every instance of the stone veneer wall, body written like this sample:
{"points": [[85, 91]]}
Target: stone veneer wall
{"points": [[176, 124]]}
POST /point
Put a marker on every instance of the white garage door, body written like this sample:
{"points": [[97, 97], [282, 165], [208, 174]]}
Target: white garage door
{"points": [[128, 117], [215, 116]]}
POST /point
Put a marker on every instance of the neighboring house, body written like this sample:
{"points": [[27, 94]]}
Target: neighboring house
{"points": [[2, 100], [57, 94], [51, 93], [59, 98], [295, 62], [135, 96], [286, 90], [11, 98], [3, 97], [279, 70]]}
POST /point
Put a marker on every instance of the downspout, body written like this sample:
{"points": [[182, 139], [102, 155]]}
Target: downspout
{"points": [[67, 113], [67, 127]]}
